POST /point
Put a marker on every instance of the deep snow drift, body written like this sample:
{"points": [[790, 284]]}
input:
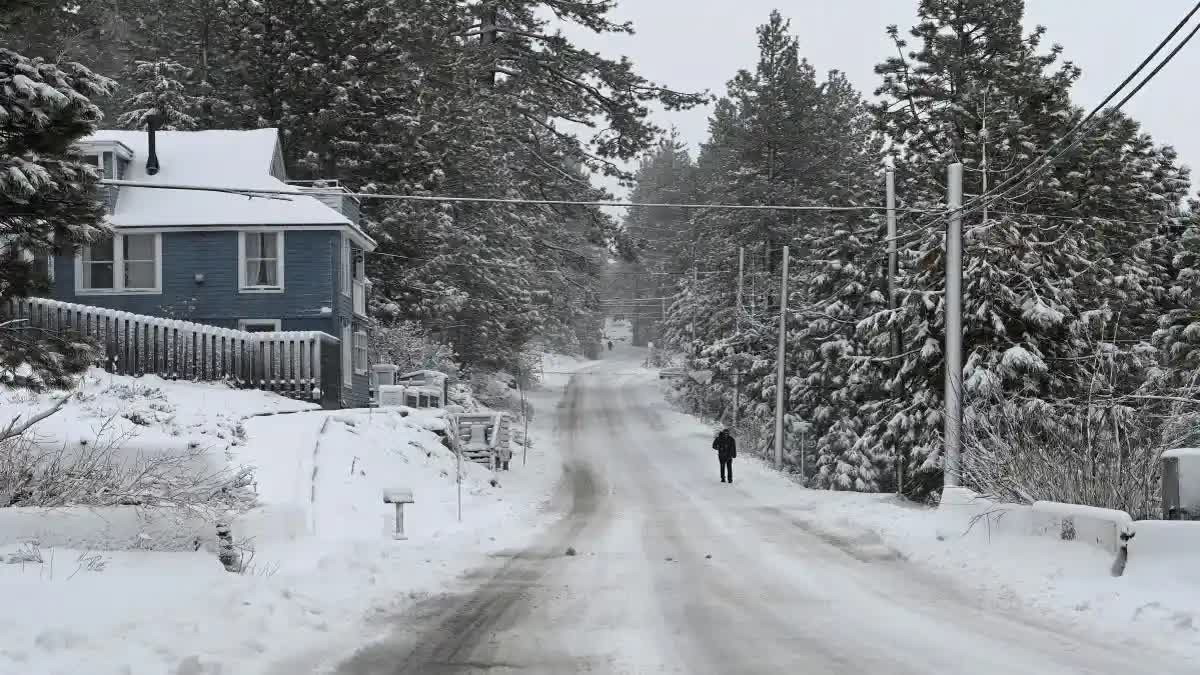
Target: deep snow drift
{"points": [[321, 565]]}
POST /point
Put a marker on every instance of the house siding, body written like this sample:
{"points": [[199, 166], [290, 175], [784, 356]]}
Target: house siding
{"points": [[312, 262], [358, 395], [309, 260]]}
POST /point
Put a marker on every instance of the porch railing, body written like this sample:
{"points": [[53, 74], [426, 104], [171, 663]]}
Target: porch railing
{"points": [[298, 364]]}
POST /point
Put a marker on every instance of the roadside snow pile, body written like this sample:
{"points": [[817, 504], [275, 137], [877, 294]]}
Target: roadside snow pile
{"points": [[332, 468], [146, 413], [319, 566], [126, 463]]}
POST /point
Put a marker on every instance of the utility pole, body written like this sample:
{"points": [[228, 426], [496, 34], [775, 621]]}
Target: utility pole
{"points": [[953, 325], [695, 295], [737, 371], [893, 275], [779, 385]]}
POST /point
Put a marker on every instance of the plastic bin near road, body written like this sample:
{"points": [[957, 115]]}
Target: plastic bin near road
{"points": [[1181, 484]]}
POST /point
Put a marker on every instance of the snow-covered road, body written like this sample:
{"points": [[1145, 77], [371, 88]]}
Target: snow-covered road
{"points": [[676, 572]]}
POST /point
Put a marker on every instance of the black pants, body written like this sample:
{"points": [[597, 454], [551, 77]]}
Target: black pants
{"points": [[726, 469]]}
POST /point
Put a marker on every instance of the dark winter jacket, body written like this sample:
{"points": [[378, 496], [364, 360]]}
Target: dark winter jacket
{"points": [[725, 446]]}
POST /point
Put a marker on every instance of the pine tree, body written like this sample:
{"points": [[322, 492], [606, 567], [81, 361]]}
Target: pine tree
{"points": [[784, 136], [48, 199], [663, 236], [1042, 270], [161, 96]]}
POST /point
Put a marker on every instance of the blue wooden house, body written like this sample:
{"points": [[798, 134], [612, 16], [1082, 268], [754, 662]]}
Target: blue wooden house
{"points": [[228, 261]]}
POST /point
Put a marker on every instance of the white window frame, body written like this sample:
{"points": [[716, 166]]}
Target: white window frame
{"points": [[243, 287], [347, 354], [245, 324], [347, 269], [119, 269], [361, 360]]}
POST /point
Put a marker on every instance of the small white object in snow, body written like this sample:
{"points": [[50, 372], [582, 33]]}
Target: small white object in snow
{"points": [[398, 496]]}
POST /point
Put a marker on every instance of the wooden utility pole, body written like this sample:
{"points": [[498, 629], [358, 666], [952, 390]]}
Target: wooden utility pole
{"points": [[737, 371], [893, 276], [779, 373], [953, 326]]}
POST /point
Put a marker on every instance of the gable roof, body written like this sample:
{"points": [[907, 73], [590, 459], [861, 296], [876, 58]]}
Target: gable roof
{"points": [[216, 158]]}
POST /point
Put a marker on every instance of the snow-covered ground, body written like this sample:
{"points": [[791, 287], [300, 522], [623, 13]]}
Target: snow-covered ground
{"points": [[324, 568], [656, 566], [326, 577], [1072, 581]]}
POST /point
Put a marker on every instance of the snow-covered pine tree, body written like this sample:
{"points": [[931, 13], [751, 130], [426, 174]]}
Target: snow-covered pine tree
{"points": [[784, 136], [663, 236], [160, 96], [48, 200], [193, 33], [1037, 272]]}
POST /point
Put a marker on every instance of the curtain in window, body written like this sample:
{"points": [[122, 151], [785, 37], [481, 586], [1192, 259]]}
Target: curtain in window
{"points": [[262, 259]]}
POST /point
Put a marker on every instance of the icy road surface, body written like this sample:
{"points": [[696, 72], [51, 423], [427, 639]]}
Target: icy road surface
{"points": [[676, 572]]}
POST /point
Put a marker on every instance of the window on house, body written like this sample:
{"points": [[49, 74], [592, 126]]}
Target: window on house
{"points": [[138, 261], [360, 352], [261, 264], [41, 264], [347, 262], [99, 263], [127, 262], [347, 354], [259, 325]]}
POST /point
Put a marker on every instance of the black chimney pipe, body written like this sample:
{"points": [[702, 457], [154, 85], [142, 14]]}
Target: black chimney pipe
{"points": [[152, 158]]}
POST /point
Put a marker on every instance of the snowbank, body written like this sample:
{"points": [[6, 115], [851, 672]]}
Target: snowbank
{"points": [[131, 418], [321, 568], [1106, 528]]}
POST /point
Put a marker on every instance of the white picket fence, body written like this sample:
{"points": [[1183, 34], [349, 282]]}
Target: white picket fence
{"points": [[286, 362]]}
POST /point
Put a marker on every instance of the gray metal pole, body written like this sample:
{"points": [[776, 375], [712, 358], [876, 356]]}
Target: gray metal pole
{"points": [[779, 384], [893, 275], [953, 323], [737, 373]]}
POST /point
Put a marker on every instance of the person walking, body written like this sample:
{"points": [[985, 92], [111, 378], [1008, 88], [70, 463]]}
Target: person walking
{"points": [[726, 449]]}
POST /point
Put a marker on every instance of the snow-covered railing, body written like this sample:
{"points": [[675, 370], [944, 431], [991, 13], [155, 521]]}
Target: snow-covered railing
{"points": [[286, 362]]}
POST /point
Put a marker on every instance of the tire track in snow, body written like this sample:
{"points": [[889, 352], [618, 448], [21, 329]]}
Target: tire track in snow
{"points": [[455, 629]]}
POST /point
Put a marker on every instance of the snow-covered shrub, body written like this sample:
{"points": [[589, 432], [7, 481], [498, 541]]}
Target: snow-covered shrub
{"points": [[1101, 453], [101, 474], [407, 345]]}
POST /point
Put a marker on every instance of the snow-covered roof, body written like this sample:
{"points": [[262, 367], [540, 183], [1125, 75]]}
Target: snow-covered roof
{"points": [[217, 158]]}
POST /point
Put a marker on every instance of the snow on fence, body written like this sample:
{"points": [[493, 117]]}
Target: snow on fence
{"points": [[286, 362]]}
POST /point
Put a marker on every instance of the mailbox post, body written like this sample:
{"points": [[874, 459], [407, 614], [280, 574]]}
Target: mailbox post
{"points": [[399, 497]]}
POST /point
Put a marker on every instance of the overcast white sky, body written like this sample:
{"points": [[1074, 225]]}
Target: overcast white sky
{"points": [[695, 45]]}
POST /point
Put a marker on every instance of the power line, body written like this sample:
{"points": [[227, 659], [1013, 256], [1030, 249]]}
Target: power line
{"points": [[519, 267], [1076, 134], [252, 192]]}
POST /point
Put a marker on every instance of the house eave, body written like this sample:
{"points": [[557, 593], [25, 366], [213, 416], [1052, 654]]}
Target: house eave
{"points": [[123, 151], [361, 238]]}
